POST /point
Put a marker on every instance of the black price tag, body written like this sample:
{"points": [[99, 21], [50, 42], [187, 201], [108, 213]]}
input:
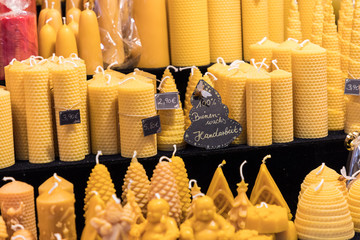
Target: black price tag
{"points": [[151, 125], [166, 101], [69, 117], [352, 87]]}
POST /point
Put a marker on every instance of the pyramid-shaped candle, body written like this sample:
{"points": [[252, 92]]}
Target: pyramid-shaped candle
{"points": [[293, 27]]}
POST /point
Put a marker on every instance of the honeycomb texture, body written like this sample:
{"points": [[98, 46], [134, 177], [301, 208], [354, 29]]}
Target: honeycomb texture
{"points": [[282, 106], [258, 109], [163, 182], [309, 69], [7, 154], [344, 30], [317, 23], [276, 20], [103, 102], [12, 195], [354, 204], [255, 23], [287, 7], [189, 32], [282, 54], [306, 9], [136, 102], [39, 115], [262, 50], [220, 71], [140, 184], [293, 26], [178, 168], [235, 89], [172, 121], [352, 116], [225, 29], [3, 231], [323, 214], [101, 182], [15, 83], [67, 96]]}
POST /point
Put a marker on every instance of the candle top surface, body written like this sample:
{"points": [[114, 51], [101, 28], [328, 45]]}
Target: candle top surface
{"points": [[266, 44], [15, 188], [135, 84], [56, 196], [280, 73], [310, 47], [289, 44], [255, 74], [49, 183]]}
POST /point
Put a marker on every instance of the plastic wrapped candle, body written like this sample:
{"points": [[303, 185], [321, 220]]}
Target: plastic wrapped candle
{"points": [[306, 9], [17, 204], [333, 221], [7, 154], [255, 23], [276, 20], [282, 53], [56, 214], [263, 49], [310, 91], [65, 41], [38, 114], [189, 32], [136, 102], [293, 26], [225, 30], [150, 19], [49, 183]]}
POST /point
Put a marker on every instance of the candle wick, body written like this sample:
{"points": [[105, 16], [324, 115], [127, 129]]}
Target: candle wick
{"points": [[322, 167], [318, 187], [67, 61], [9, 179], [116, 199], [241, 170], [275, 64], [56, 184], [172, 67], [234, 67], [157, 195], [134, 155], [161, 82], [198, 195], [253, 62], [266, 157], [64, 20], [304, 42], [87, 5], [192, 69], [262, 204], [15, 227], [48, 20], [113, 64], [293, 39], [98, 69], [222, 164], [73, 56], [61, 58], [262, 41], [164, 157], [209, 73], [191, 182], [46, 4], [221, 60], [175, 149], [52, 5], [97, 156], [58, 236], [57, 178], [236, 63], [262, 63], [12, 61], [94, 192], [127, 80], [356, 173]]}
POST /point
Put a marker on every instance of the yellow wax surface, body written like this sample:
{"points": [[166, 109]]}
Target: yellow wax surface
{"points": [[276, 20], [73, 14], [41, 18], [7, 154], [282, 54], [49, 183], [57, 4], [47, 41], [74, 4], [306, 9], [56, 21], [262, 50], [65, 42], [89, 232]]}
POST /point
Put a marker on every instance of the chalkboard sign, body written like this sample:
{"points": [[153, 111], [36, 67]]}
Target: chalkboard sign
{"points": [[69, 117], [211, 127], [167, 101], [352, 86], [151, 125]]}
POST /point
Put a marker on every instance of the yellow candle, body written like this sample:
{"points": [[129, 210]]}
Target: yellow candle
{"points": [[293, 27], [276, 20], [189, 32], [39, 114], [261, 50], [74, 14], [282, 54], [17, 205], [353, 201], [306, 9], [255, 23], [74, 26], [150, 18], [89, 41], [56, 214], [317, 23], [225, 30], [42, 17], [219, 70], [95, 203], [289, 234], [310, 91], [7, 154], [47, 40], [49, 183], [65, 41], [344, 30], [74, 4], [55, 3], [55, 15], [3, 231]]}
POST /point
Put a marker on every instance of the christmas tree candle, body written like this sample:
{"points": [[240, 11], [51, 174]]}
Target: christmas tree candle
{"points": [[39, 114], [49, 183], [306, 9], [7, 154], [225, 30], [263, 49], [293, 26], [189, 32], [65, 41], [282, 53], [276, 20]]}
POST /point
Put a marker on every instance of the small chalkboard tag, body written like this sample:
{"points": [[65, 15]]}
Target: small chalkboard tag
{"points": [[69, 117], [211, 127], [151, 125], [166, 101], [352, 86]]}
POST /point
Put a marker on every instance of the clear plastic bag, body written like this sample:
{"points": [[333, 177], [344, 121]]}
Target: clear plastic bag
{"points": [[353, 144]]}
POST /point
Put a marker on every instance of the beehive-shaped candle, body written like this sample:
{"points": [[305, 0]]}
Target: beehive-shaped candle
{"points": [[225, 36], [306, 9], [255, 23], [17, 205], [282, 53], [39, 115], [261, 50], [323, 213], [95, 202], [136, 102], [220, 70], [317, 23], [309, 70], [258, 109], [140, 184], [353, 200], [220, 192], [326, 173], [276, 20], [7, 154], [172, 121], [163, 182], [15, 83], [3, 231], [189, 32], [293, 26], [103, 101]]}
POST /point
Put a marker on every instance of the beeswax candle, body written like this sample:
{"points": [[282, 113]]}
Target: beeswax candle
{"points": [[261, 50], [136, 102], [65, 41], [49, 183], [47, 40], [42, 17], [189, 32], [310, 91], [39, 115], [219, 70], [17, 205], [55, 3], [73, 4], [7, 154], [95, 203], [317, 23], [74, 26], [150, 19], [225, 30], [255, 23], [293, 27], [282, 54], [276, 20], [344, 30], [353, 201], [74, 14], [55, 15], [3, 231], [306, 9]]}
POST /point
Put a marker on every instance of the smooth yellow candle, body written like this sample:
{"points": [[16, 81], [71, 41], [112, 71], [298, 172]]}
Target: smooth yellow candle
{"points": [[55, 3], [276, 20], [65, 42], [47, 40], [73, 4], [73, 13], [49, 183], [7, 154], [42, 17], [74, 26], [306, 9], [56, 18]]}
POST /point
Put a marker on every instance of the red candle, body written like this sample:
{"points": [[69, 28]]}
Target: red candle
{"points": [[31, 6]]}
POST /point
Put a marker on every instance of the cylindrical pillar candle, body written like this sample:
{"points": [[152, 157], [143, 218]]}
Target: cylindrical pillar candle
{"points": [[220, 70], [306, 9], [276, 20], [189, 32], [282, 54], [261, 50], [7, 155]]}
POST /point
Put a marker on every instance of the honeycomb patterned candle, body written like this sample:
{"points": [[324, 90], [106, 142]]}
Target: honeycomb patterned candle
{"points": [[263, 49], [306, 9], [17, 205], [220, 70], [136, 102], [140, 184], [103, 101], [344, 30], [95, 202], [293, 27], [317, 23], [39, 115], [7, 154], [225, 30], [255, 23], [282, 106], [354, 202], [323, 213], [163, 182], [49, 183], [309, 69], [276, 20], [282, 53], [189, 32]]}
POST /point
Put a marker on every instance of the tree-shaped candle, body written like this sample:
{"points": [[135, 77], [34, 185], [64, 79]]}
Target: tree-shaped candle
{"points": [[95, 204], [317, 23]]}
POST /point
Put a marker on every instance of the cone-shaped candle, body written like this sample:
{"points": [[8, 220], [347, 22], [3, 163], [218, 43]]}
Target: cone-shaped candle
{"points": [[293, 27], [306, 9], [317, 23], [276, 20]]}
